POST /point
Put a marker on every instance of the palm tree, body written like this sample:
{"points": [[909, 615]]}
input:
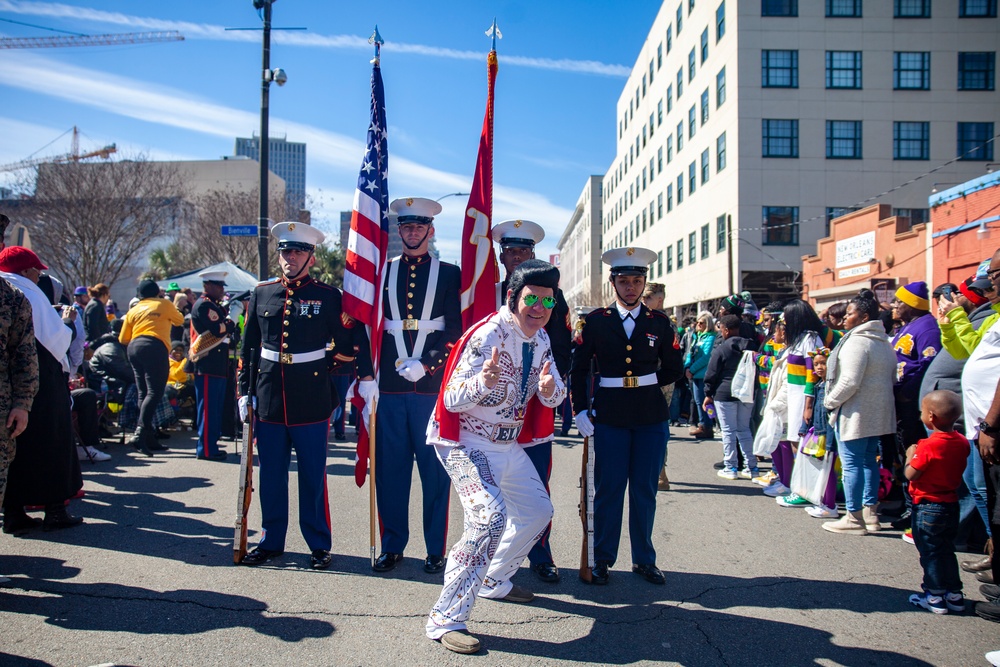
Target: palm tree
{"points": [[330, 264]]}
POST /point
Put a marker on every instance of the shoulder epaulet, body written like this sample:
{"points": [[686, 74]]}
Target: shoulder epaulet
{"points": [[660, 313], [599, 312], [268, 282]]}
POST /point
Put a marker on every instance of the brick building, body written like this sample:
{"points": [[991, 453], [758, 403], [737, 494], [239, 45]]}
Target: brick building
{"points": [[966, 221]]}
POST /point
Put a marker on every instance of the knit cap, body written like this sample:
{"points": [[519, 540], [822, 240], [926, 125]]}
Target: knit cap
{"points": [[914, 295]]}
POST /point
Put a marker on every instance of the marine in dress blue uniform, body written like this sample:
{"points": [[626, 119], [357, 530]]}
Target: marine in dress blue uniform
{"points": [[423, 319], [517, 239], [291, 323], [211, 329], [633, 348]]}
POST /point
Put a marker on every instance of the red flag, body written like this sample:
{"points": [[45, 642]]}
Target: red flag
{"points": [[367, 246], [480, 273]]}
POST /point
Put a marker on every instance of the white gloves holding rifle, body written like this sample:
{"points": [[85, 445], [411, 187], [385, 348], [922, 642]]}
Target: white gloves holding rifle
{"points": [[244, 402], [583, 424], [411, 370]]}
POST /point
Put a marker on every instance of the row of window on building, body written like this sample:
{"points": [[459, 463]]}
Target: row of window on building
{"points": [[902, 9]]}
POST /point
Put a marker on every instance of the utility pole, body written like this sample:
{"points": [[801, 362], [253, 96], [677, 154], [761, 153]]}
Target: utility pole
{"points": [[265, 84]]}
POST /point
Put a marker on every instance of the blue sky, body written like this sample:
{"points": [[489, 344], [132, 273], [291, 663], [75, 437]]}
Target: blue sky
{"points": [[562, 67]]}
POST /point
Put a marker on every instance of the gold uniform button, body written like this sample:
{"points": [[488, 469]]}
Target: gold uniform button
{"points": [[290, 293], [628, 360], [409, 306], [284, 334], [628, 347], [409, 317], [286, 321], [284, 346], [265, 313], [628, 372], [413, 284], [409, 295], [288, 312], [288, 302]]}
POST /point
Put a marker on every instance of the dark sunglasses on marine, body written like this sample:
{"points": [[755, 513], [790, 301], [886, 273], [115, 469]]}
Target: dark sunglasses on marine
{"points": [[549, 302]]}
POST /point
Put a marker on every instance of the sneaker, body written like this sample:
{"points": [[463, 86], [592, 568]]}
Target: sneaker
{"points": [[955, 601], [777, 489], [822, 512], [91, 454], [747, 473], [792, 500], [934, 603], [728, 473], [766, 479], [908, 536]]}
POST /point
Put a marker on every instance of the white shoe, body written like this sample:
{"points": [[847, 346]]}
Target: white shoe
{"points": [[993, 657], [91, 454], [820, 512], [777, 489]]}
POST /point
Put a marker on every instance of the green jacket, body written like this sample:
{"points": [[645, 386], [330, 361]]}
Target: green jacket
{"points": [[959, 337]]}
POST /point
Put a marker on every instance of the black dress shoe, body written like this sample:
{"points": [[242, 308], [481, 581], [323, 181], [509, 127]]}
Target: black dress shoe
{"points": [[903, 522], [650, 573], [320, 559], [339, 436], [547, 572], [258, 556], [19, 525], [433, 564], [218, 456], [57, 519], [986, 577], [720, 465], [600, 574], [386, 561]]}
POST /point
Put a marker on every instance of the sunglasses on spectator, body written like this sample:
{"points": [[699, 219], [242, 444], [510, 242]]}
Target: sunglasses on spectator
{"points": [[549, 302], [993, 275]]}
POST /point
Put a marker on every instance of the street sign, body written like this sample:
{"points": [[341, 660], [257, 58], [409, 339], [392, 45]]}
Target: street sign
{"points": [[239, 230]]}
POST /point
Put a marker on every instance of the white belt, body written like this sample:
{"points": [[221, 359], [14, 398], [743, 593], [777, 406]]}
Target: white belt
{"points": [[415, 325], [289, 358], [629, 382]]}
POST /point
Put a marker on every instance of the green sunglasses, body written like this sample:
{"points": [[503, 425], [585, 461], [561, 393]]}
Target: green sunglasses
{"points": [[549, 302]]}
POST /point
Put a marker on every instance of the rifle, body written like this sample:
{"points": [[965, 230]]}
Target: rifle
{"points": [[587, 502], [246, 468]]}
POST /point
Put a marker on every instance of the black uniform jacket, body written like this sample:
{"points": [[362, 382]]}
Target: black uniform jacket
{"points": [[208, 316], [296, 317], [409, 292], [649, 350]]}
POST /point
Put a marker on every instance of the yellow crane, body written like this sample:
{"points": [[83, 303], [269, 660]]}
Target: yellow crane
{"points": [[73, 156], [115, 39]]}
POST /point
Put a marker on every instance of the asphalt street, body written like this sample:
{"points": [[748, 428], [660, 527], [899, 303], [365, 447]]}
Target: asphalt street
{"points": [[149, 580]]}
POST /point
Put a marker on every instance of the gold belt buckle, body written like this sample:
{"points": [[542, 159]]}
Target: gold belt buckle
{"points": [[630, 382], [410, 325], [286, 357]]}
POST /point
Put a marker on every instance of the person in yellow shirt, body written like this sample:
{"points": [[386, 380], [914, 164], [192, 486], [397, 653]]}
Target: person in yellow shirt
{"points": [[146, 332], [180, 384]]}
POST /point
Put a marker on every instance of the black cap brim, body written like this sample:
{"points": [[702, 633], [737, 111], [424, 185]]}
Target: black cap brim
{"points": [[295, 245]]}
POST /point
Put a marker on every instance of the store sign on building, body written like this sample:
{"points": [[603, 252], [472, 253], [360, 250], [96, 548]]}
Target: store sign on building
{"points": [[854, 271], [856, 250]]}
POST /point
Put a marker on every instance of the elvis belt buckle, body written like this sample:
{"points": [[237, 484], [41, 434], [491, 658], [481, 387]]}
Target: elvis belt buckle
{"points": [[410, 325], [630, 382], [285, 357]]}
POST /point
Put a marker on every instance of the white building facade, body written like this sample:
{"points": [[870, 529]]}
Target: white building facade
{"points": [[746, 126], [580, 249]]}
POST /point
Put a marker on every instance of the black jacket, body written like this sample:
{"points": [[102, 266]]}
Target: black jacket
{"points": [[722, 367], [95, 321], [110, 360]]}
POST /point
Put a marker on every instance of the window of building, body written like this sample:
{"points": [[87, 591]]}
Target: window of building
{"points": [[659, 158], [781, 225], [843, 8], [720, 88], [704, 166], [680, 188], [670, 259], [643, 136], [659, 113], [643, 87], [911, 9], [720, 153], [843, 69], [974, 142], [917, 216], [670, 98], [780, 137], [976, 71], [911, 70], [643, 179], [843, 139], [779, 69], [690, 7], [680, 254], [720, 233], [911, 140], [704, 241], [779, 7], [680, 136], [670, 198], [659, 263], [670, 38], [704, 45], [692, 121], [651, 72], [680, 18], [720, 21], [692, 247], [670, 149], [703, 109], [692, 178], [659, 206], [680, 82], [835, 212], [643, 219], [691, 62], [652, 210], [659, 55], [977, 9]]}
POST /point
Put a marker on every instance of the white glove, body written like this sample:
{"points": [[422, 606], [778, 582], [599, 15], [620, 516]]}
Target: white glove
{"points": [[411, 370], [367, 390], [583, 424], [243, 403]]}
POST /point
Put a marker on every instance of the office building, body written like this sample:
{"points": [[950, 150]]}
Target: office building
{"points": [[284, 158]]}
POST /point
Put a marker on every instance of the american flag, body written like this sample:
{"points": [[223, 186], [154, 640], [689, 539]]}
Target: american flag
{"points": [[367, 246]]}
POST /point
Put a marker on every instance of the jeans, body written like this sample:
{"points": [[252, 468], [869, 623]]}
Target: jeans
{"points": [[698, 389], [975, 481], [861, 476], [934, 528], [734, 421]]}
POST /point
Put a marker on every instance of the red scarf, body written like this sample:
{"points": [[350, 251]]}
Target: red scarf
{"points": [[538, 419]]}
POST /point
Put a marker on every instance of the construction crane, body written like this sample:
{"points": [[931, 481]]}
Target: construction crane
{"points": [[116, 39], [73, 156]]}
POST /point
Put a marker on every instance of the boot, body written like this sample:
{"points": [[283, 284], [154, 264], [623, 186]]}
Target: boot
{"points": [[56, 517], [664, 484], [983, 564], [140, 441], [695, 430], [870, 515], [852, 523], [705, 434], [153, 442]]}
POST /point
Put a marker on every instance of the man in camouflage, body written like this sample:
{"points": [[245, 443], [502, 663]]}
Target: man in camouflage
{"points": [[18, 367]]}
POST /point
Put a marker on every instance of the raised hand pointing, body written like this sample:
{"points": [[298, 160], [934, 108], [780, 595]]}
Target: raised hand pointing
{"points": [[546, 383]]}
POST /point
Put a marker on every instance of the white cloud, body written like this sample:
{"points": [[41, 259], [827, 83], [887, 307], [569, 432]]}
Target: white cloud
{"points": [[294, 38]]}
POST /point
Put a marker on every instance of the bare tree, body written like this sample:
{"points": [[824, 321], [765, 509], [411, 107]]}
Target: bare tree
{"points": [[93, 222]]}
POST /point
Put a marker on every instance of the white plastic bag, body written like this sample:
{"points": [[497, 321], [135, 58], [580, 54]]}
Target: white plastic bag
{"points": [[745, 379], [810, 476], [769, 432]]}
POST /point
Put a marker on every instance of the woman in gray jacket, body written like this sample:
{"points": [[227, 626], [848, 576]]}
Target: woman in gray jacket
{"points": [[859, 397]]}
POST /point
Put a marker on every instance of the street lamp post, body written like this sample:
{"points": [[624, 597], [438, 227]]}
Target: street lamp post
{"points": [[265, 84]]}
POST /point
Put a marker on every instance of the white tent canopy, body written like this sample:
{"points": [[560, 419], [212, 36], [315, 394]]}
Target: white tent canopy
{"points": [[237, 279]]}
